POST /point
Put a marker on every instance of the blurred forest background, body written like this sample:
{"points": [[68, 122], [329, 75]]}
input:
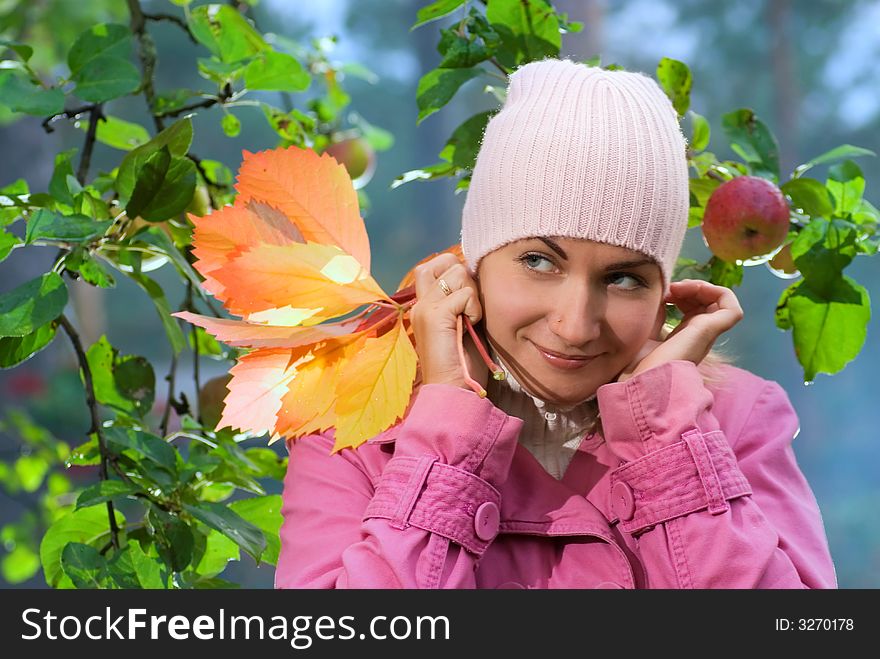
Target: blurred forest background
{"points": [[809, 69]]}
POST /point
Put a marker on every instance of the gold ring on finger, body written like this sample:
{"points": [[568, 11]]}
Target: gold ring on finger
{"points": [[444, 286]]}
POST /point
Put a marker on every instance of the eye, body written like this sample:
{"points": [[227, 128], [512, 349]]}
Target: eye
{"points": [[632, 284], [531, 259]]}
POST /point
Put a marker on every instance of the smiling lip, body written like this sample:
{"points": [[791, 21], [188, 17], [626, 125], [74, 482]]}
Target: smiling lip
{"points": [[561, 361]]}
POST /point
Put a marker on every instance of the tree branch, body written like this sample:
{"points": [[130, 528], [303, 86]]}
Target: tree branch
{"points": [[92, 403], [170, 378], [224, 95], [174, 19], [70, 114], [147, 54], [96, 114]]}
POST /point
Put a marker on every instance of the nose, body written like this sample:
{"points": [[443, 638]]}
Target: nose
{"points": [[577, 315]]}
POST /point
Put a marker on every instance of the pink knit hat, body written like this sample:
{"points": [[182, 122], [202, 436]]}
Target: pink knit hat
{"points": [[580, 152]]}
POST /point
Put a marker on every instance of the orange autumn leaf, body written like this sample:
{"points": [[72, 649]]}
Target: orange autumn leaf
{"points": [[291, 257], [312, 282], [314, 191], [218, 240]]}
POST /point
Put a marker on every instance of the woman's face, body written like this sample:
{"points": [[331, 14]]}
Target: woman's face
{"points": [[569, 296]]}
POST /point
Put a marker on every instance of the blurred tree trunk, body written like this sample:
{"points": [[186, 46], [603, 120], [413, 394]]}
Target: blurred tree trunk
{"points": [[589, 42], [785, 87]]}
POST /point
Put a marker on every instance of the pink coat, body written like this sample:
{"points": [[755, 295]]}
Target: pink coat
{"points": [[691, 486]]}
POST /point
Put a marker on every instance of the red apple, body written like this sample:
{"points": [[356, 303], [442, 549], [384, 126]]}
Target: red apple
{"points": [[745, 217], [357, 156]]}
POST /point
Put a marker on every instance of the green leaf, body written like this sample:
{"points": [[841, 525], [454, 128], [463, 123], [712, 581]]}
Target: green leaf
{"points": [[810, 196], [87, 526], [19, 94], [466, 139], [700, 131], [835, 154], [105, 491], [103, 40], [272, 71], [16, 349], [176, 192], [265, 513], [58, 186], [20, 564], [85, 454], [7, 242], [231, 125], [23, 51], [105, 78], [438, 86], [96, 275], [436, 10], [100, 63], [126, 383], [225, 32], [85, 566], [176, 137], [33, 304], [176, 540], [150, 176], [213, 554], [823, 249], [220, 517], [675, 79], [47, 225], [459, 51], [752, 141], [144, 444], [31, 470], [529, 30], [147, 569], [725, 273], [118, 133], [829, 327], [846, 183]]}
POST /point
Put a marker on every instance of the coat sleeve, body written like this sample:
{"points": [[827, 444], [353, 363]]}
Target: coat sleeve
{"points": [[422, 521], [706, 510]]}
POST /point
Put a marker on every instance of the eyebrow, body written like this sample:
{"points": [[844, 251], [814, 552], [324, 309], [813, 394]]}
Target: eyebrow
{"points": [[634, 263]]}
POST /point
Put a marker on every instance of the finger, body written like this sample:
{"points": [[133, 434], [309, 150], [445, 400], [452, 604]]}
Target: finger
{"points": [[427, 273], [703, 292]]}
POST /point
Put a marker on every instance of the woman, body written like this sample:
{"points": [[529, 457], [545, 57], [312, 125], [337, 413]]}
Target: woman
{"points": [[634, 459]]}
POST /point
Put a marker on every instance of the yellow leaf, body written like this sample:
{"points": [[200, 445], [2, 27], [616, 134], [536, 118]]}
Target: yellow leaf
{"points": [[375, 387], [308, 406]]}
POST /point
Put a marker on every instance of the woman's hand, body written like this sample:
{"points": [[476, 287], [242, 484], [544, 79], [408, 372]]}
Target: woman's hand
{"points": [[434, 316], [709, 311]]}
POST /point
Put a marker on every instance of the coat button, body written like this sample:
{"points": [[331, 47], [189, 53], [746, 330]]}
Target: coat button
{"points": [[608, 585], [487, 520], [510, 585], [622, 501]]}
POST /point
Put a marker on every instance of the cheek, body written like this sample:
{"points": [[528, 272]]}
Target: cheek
{"points": [[632, 324], [507, 306]]}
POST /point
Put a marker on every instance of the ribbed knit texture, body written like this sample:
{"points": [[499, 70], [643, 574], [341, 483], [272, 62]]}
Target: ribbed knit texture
{"points": [[551, 433], [580, 152]]}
